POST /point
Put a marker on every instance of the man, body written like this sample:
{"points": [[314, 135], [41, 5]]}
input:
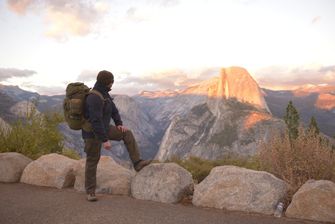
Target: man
{"points": [[99, 109]]}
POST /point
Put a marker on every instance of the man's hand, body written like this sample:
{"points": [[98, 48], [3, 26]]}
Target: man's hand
{"points": [[121, 128], [107, 145]]}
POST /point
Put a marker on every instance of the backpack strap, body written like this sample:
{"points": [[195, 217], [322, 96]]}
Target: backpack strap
{"points": [[87, 125], [93, 91]]}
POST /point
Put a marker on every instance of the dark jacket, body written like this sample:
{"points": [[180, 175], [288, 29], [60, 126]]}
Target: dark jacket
{"points": [[99, 113]]}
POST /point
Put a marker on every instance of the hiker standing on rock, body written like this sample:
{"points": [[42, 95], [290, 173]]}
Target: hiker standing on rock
{"points": [[99, 109]]}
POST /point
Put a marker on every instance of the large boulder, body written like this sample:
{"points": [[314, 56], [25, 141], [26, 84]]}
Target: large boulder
{"points": [[162, 182], [240, 189], [112, 178], [52, 170], [315, 200], [12, 165]]}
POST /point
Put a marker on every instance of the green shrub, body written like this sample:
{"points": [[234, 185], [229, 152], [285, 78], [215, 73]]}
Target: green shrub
{"points": [[72, 154], [200, 168], [252, 163], [33, 136], [197, 167]]}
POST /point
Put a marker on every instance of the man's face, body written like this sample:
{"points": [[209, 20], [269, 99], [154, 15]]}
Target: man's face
{"points": [[110, 85]]}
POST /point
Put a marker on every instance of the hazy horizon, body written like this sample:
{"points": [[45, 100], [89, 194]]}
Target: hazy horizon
{"points": [[91, 84]]}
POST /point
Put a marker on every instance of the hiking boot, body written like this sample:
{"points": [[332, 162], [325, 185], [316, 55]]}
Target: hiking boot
{"points": [[91, 197], [140, 164]]}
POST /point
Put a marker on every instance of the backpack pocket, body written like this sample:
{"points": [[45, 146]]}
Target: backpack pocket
{"points": [[76, 108], [73, 113]]}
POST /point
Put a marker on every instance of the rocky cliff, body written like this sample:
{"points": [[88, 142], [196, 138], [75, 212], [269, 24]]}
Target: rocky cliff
{"points": [[234, 118], [237, 128], [23, 109], [4, 126], [232, 83], [141, 125]]}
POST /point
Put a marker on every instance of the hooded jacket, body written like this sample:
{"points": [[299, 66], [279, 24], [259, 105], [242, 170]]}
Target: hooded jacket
{"points": [[100, 113]]}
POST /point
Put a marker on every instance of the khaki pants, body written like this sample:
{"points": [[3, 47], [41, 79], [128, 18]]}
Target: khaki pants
{"points": [[92, 149]]}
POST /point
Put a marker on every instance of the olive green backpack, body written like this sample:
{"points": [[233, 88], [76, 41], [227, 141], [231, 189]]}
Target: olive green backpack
{"points": [[74, 104]]}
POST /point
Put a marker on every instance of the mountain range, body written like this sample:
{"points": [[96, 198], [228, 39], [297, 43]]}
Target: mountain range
{"points": [[226, 114]]}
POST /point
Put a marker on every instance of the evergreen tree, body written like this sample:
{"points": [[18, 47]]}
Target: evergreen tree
{"points": [[313, 126], [292, 120]]}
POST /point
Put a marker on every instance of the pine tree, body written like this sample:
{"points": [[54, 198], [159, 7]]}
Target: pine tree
{"points": [[313, 126], [292, 120]]}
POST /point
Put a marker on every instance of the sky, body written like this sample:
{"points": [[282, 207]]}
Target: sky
{"points": [[165, 44]]}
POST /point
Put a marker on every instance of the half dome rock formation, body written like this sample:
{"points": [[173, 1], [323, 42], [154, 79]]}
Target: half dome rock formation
{"points": [[236, 82], [232, 83], [234, 119]]}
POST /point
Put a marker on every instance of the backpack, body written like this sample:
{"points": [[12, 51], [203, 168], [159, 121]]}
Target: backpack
{"points": [[74, 105]]}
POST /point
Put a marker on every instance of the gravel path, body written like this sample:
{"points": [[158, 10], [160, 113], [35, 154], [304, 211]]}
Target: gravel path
{"points": [[21, 203]]}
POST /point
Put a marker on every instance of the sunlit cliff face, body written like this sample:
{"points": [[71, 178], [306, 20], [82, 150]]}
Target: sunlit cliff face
{"points": [[236, 82], [255, 117], [325, 95], [232, 83], [325, 101]]}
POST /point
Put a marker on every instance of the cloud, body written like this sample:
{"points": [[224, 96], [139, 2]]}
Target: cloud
{"points": [[64, 18], [139, 12], [209, 73], [131, 85], [19, 6], [246, 2], [131, 11], [316, 19], [291, 78], [167, 3], [43, 90], [175, 79], [7, 73], [164, 3], [133, 14], [87, 76], [171, 79]]}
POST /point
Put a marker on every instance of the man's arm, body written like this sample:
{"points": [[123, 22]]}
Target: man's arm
{"points": [[95, 111], [116, 116], [117, 119]]}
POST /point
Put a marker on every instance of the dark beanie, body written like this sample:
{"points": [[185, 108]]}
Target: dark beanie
{"points": [[105, 78]]}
